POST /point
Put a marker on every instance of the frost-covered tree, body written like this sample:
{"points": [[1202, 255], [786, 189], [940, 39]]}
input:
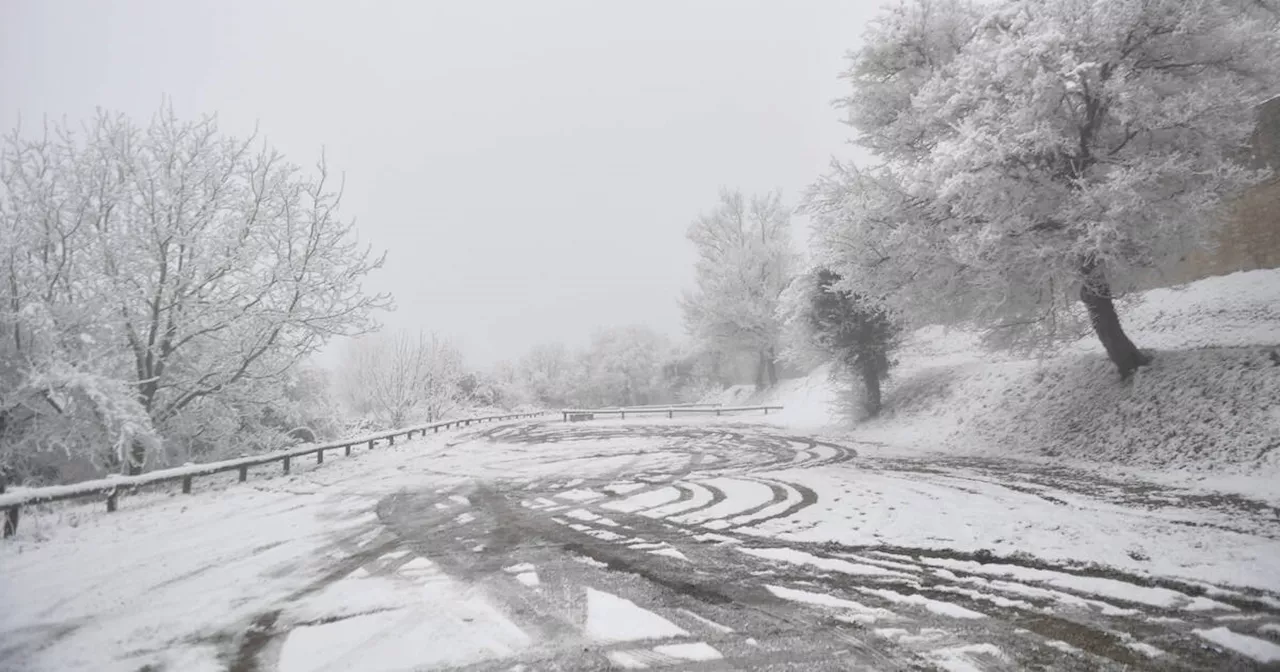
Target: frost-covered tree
{"points": [[482, 391], [158, 281], [308, 410], [623, 367], [1039, 152], [547, 373], [691, 374], [511, 392], [745, 259], [401, 376], [855, 334]]}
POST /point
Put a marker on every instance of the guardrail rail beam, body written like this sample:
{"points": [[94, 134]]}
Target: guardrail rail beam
{"points": [[11, 503]]}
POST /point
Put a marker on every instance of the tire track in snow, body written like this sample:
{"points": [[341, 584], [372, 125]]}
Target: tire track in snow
{"points": [[1029, 622]]}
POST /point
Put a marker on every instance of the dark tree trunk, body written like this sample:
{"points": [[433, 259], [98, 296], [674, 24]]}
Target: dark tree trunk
{"points": [[773, 368], [871, 384], [1096, 295], [760, 370]]}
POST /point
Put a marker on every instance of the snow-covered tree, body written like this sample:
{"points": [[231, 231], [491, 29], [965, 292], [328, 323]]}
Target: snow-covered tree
{"points": [[855, 334], [1039, 152], [160, 279], [401, 376], [511, 393], [745, 259], [547, 373], [308, 410], [623, 367], [692, 374]]}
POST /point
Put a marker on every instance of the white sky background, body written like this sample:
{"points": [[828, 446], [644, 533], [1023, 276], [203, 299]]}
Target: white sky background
{"points": [[530, 166]]}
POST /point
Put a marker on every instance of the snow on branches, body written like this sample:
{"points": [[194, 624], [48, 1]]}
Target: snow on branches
{"points": [[745, 260], [181, 270], [1038, 152], [402, 376]]}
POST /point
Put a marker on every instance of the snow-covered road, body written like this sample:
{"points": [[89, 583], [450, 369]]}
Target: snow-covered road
{"points": [[650, 545]]}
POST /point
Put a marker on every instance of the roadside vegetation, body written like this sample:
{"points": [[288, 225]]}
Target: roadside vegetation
{"points": [[164, 287]]}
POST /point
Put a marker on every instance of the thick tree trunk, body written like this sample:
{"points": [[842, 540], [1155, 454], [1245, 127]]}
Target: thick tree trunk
{"points": [[871, 384], [773, 368], [760, 370], [1096, 295]]}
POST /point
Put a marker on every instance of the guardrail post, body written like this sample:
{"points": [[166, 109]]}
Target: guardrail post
{"points": [[670, 414], [111, 501], [371, 442], [347, 450], [244, 473], [435, 430], [10, 521], [717, 412], [320, 456], [391, 440], [623, 414], [286, 465], [766, 410], [186, 485]]}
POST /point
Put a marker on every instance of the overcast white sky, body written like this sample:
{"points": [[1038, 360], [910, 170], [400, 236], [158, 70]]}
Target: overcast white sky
{"points": [[530, 166]]}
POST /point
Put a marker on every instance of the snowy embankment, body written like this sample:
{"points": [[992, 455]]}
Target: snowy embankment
{"points": [[1210, 401]]}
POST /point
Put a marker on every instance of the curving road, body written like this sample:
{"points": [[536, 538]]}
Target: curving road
{"points": [[705, 546]]}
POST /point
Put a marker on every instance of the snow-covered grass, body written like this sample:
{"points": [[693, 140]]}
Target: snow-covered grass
{"points": [[1209, 403], [1211, 407]]}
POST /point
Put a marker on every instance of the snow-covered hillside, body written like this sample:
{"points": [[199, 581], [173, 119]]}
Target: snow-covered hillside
{"points": [[1209, 402]]}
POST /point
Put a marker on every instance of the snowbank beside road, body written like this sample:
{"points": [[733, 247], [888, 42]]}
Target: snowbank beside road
{"points": [[1210, 402]]}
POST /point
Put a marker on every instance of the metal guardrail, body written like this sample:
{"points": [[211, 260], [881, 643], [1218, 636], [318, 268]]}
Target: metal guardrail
{"points": [[111, 487], [662, 406], [590, 413]]}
